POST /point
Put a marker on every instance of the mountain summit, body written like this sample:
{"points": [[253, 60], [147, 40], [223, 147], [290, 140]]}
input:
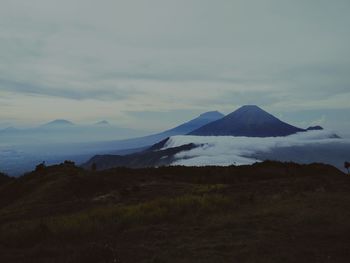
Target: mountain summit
{"points": [[102, 123], [196, 123], [58, 124], [249, 121], [213, 115]]}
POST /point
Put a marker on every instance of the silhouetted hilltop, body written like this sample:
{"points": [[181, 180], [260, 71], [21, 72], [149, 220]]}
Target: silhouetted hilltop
{"points": [[272, 210], [152, 157], [315, 128], [4, 178], [67, 182]]}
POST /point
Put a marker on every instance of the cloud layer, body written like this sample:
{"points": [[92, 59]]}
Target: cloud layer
{"points": [[228, 150]]}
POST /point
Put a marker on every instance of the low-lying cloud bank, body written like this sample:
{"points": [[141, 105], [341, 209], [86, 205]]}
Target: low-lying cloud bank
{"points": [[228, 150]]}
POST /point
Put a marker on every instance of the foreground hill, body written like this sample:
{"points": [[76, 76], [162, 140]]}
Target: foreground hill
{"points": [[268, 212], [249, 121]]}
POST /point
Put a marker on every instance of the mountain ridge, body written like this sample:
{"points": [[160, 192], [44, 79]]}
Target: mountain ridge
{"points": [[139, 143]]}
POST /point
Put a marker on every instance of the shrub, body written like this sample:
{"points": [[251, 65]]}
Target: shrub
{"points": [[40, 167], [347, 166], [69, 163]]}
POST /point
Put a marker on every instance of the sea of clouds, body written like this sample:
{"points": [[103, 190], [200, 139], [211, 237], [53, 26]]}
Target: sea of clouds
{"points": [[311, 146]]}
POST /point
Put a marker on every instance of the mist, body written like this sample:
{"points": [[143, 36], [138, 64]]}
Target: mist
{"points": [[22, 149]]}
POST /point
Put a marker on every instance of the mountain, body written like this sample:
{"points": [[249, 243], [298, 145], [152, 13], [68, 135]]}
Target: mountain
{"points": [[9, 130], [102, 123], [149, 158], [61, 140], [248, 121], [315, 128], [196, 123], [58, 124], [139, 143]]}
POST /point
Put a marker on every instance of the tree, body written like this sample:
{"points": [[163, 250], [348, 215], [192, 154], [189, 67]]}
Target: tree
{"points": [[347, 166], [40, 167], [4, 178]]}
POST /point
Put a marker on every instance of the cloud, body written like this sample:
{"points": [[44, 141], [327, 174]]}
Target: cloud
{"points": [[147, 56], [70, 93], [228, 150]]}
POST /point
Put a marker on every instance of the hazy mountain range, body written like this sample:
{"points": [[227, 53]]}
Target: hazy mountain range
{"points": [[245, 136], [67, 131], [55, 141]]}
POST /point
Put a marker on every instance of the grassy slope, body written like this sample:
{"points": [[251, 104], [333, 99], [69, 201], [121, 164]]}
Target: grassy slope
{"points": [[270, 212]]}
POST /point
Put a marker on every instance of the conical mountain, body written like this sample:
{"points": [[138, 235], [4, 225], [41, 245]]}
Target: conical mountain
{"points": [[249, 121]]}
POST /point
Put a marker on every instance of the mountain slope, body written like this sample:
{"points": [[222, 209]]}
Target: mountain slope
{"points": [[249, 121], [148, 158], [196, 123], [139, 143]]}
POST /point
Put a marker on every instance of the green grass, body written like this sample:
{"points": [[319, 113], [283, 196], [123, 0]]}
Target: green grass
{"points": [[115, 217]]}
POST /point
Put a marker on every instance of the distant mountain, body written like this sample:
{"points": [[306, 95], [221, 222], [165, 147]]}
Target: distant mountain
{"points": [[65, 132], [249, 121], [196, 123], [9, 130], [102, 123], [138, 144], [148, 158], [58, 124], [315, 128]]}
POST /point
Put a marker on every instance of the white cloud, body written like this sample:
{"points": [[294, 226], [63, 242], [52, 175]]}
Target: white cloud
{"points": [[228, 150]]}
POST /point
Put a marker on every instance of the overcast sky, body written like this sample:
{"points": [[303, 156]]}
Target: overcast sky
{"points": [[150, 64]]}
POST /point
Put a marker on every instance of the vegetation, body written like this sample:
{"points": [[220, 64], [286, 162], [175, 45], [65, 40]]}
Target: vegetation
{"points": [[347, 166], [4, 178], [40, 167], [270, 212], [93, 167]]}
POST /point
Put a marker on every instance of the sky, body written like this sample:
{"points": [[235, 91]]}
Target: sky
{"points": [[151, 64]]}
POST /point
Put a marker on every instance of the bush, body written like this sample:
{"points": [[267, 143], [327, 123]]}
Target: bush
{"points": [[69, 163], [40, 167]]}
